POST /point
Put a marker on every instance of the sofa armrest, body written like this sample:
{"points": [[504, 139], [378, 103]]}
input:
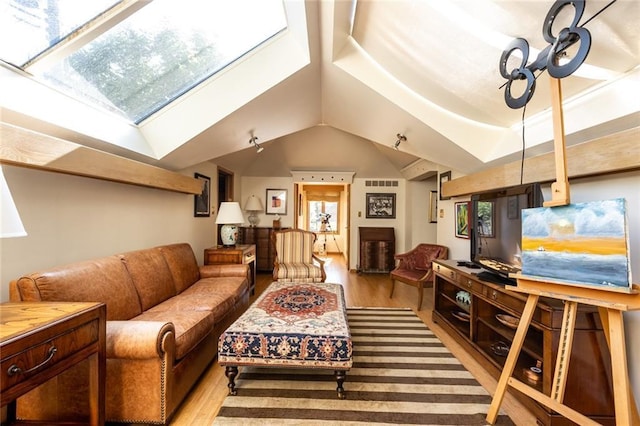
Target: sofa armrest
{"points": [[231, 270], [139, 339]]}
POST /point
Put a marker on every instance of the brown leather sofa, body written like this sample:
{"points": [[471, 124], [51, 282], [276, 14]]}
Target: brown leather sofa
{"points": [[164, 317]]}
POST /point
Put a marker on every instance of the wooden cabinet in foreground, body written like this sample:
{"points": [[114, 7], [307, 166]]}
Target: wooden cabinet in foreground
{"points": [[40, 340], [482, 316]]}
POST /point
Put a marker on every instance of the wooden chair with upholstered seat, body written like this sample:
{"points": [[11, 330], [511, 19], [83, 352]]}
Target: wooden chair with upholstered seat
{"points": [[295, 260], [414, 267]]}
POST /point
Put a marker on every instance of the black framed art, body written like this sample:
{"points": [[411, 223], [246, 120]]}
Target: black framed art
{"points": [[444, 177], [381, 206], [201, 205]]}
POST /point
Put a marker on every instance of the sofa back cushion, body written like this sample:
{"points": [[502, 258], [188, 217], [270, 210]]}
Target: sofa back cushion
{"points": [[99, 280], [150, 275], [182, 263]]}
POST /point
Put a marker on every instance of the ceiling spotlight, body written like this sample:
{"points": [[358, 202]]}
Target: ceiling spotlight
{"points": [[401, 138], [253, 142]]}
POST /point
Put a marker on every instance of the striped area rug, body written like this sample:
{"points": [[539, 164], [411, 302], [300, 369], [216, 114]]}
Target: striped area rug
{"points": [[402, 374]]}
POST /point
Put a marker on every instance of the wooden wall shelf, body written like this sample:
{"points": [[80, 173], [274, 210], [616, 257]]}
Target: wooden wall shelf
{"points": [[25, 148], [613, 153]]}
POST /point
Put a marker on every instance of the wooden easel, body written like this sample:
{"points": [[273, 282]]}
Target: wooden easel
{"points": [[611, 304]]}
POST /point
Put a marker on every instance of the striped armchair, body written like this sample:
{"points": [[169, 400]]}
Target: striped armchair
{"points": [[295, 261]]}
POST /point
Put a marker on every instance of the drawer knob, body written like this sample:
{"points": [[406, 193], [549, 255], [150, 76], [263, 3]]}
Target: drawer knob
{"points": [[14, 369], [494, 295], [469, 283]]}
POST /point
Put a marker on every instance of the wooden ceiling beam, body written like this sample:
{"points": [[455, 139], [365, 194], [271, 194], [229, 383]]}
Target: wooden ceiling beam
{"points": [[617, 152], [25, 148]]}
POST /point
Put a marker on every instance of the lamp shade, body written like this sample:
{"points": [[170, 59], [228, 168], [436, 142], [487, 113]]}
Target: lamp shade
{"points": [[10, 223], [253, 204], [229, 215]]}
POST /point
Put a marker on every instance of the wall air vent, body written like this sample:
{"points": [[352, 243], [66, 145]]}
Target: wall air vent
{"points": [[380, 183]]}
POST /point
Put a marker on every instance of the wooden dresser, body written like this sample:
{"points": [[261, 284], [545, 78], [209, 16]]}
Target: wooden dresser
{"points": [[482, 327], [377, 250], [244, 254], [261, 237], [39, 340]]}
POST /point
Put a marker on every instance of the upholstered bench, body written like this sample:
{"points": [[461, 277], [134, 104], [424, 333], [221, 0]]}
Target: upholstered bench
{"points": [[301, 325]]}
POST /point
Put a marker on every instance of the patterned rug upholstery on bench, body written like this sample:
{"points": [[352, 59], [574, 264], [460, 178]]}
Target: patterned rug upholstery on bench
{"points": [[292, 325]]}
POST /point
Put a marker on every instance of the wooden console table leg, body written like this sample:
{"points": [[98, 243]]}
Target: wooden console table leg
{"points": [[96, 391], [512, 358]]}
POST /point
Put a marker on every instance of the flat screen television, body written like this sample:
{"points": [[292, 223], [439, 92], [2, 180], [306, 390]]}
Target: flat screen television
{"points": [[496, 230]]}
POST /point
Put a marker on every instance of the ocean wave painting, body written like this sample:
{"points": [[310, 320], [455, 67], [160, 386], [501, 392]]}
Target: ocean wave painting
{"points": [[582, 243]]}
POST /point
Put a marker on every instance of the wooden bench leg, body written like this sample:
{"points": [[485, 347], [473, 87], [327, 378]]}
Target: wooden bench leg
{"points": [[231, 372], [341, 376]]}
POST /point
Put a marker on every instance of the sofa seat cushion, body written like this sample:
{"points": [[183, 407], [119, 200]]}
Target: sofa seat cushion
{"points": [[191, 327], [217, 295], [231, 288]]}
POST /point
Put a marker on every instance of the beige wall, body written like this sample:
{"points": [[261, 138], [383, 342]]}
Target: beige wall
{"points": [[71, 218]]}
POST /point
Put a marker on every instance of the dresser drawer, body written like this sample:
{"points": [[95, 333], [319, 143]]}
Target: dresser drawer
{"points": [[470, 285], [511, 303], [444, 271], [45, 354]]}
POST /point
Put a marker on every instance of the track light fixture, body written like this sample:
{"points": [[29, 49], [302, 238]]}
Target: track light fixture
{"points": [[401, 138], [253, 142]]}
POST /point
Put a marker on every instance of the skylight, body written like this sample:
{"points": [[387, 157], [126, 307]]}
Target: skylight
{"points": [[29, 27], [142, 63]]}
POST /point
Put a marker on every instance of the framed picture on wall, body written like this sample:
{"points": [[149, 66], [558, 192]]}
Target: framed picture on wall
{"points": [[381, 206], [444, 177], [276, 201], [462, 219], [201, 204], [433, 207]]}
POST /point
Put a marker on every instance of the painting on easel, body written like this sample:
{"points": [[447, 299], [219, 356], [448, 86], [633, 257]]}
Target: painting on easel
{"points": [[582, 244]]}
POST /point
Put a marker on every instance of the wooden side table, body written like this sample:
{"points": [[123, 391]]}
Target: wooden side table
{"points": [[239, 254], [39, 340]]}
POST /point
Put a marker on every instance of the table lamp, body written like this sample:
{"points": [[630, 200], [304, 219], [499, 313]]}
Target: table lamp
{"points": [[253, 206], [230, 216]]}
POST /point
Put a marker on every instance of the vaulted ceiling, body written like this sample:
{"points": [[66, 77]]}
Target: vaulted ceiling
{"points": [[370, 69]]}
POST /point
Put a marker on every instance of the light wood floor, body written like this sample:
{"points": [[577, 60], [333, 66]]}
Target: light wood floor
{"points": [[366, 290]]}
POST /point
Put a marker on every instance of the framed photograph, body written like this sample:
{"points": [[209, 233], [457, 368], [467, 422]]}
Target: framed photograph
{"points": [[444, 177], [462, 219], [513, 212], [276, 201], [201, 204], [381, 206], [433, 207]]}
